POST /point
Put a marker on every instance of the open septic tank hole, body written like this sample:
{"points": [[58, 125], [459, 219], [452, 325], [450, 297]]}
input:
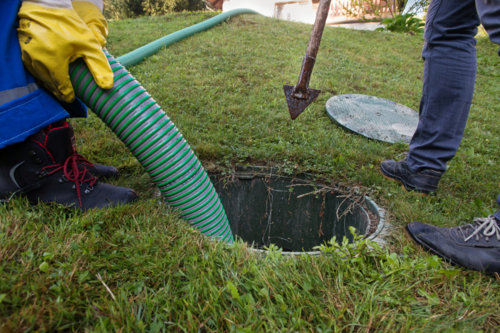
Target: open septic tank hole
{"points": [[265, 208]]}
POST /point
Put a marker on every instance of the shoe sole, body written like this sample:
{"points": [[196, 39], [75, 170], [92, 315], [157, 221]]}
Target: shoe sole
{"points": [[397, 180]]}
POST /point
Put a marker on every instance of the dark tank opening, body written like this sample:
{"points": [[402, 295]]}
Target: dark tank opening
{"points": [[265, 209]]}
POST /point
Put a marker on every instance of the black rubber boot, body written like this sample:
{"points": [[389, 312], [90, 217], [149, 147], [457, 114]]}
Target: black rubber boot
{"points": [[45, 168], [425, 181], [64, 131], [474, 246]]}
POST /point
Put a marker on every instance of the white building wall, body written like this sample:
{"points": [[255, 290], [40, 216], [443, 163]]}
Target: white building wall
{"points": [[299, 10]]}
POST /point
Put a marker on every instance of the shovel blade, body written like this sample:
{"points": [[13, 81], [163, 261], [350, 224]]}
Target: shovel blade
{"points": [[296, 106]]}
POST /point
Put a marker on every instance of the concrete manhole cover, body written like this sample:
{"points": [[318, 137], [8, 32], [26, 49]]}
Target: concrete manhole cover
{"points": [[373, 117]]}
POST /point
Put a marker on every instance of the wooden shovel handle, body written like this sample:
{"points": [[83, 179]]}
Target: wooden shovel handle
{"points": [[300, 90], [319, 26]]}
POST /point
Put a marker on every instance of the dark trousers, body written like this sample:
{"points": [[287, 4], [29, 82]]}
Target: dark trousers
{"points": [[449, 75]]}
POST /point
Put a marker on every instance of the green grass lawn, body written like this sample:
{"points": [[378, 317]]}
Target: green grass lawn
{"points": [[223, 89]]}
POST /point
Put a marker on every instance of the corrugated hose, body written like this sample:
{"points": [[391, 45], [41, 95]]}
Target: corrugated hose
{"points": [[141, 124]]}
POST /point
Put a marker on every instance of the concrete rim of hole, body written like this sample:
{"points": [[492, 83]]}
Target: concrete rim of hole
{"points": [[378, 235]]}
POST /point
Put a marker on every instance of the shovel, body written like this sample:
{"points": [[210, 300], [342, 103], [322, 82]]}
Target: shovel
{"points": [[300, 96]]}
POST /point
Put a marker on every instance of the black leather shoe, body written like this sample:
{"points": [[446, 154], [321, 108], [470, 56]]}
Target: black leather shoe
{"points": [[103, 172], [42, 168], [474, 246], [63, 131], [424, 181]]}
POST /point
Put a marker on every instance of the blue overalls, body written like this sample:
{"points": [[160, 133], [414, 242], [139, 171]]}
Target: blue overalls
{"points": [[25, 108]]}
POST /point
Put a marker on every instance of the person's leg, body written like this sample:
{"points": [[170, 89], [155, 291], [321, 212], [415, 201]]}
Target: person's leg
{"points": [[37, 157], [474, 246], [449, 75], [489, 13]]}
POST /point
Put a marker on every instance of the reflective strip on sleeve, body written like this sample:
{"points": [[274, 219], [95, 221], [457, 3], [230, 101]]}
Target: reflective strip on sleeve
{"points": [[12, 94], [51, 3]]}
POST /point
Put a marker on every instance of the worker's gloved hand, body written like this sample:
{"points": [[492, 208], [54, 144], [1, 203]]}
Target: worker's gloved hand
{"points": [[93, 18], [53, 37]]}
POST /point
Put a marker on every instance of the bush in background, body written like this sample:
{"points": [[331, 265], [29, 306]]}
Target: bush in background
{"points": [[121, 9], [162, 7], [134, 7], [405, 23]]}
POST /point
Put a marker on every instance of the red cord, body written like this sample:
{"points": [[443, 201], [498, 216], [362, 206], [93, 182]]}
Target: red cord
{"points": [[71, 172]]}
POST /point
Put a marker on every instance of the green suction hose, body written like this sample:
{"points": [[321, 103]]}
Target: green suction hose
{"points": [[147, 50], [141, 124]]}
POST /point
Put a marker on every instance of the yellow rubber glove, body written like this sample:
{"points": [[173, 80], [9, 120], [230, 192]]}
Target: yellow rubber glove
{"points": [[93, 18], [51, 39]]}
